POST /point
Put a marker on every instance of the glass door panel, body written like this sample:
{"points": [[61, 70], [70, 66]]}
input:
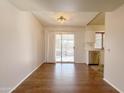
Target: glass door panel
{"points": [[64, 47], [67, 48]]}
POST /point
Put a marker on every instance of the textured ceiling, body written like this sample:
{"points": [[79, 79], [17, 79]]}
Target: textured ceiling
{"points": [[78, 12], [73, 18], [68, 5]]}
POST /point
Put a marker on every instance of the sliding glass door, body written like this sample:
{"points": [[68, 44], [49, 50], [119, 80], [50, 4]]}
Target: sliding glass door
{"points": [[64, 51]]}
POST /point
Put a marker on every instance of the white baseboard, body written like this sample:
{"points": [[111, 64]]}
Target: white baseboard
{"points": [[113, 85], [25, 78]]}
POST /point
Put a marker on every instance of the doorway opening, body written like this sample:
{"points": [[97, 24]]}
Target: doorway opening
{"points": [[64, 48]]}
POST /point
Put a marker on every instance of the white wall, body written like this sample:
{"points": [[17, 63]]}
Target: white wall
{"points": [[79, 42], [21, 45], [114, 54]]}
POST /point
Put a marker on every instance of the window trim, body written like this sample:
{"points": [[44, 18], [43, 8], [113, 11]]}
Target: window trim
{"points": [[102, 33]]}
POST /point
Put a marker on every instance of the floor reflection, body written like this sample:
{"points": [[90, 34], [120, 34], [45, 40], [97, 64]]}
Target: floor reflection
{"points": [[64, 73], [64, 70]]}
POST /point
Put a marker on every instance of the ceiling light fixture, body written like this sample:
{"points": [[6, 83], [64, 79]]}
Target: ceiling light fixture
{"points": [[61, 19]]}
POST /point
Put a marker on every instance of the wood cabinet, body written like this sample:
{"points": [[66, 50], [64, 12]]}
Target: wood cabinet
{"points": [[94, 57]]}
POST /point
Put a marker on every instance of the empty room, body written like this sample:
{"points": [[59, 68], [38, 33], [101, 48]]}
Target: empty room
{"points": [[61, 46]]}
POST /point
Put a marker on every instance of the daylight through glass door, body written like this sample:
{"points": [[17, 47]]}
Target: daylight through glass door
{"points": [[64, 51]]}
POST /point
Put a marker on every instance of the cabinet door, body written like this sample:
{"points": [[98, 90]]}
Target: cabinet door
{"points": [[94, 57]]}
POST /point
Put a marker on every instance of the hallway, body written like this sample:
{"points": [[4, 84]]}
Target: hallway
{"points": [[64, 78]]}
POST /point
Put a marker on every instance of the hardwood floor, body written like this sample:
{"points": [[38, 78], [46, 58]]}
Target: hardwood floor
{"points": [[64, 78]]}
